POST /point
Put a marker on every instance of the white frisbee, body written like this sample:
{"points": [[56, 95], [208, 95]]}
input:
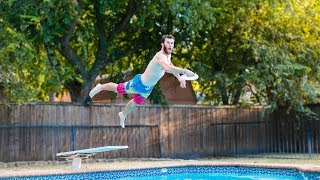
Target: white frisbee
{"points": [[190, 78]]}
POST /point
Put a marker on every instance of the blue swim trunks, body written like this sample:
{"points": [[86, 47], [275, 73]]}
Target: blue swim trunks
{"points": [[135, 86]]}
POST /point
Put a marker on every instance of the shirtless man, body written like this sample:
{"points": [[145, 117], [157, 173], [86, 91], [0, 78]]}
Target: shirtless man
{"points": [[142, 84]]}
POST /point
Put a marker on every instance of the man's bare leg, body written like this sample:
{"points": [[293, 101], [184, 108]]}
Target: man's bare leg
{"points": [[100, 87], [123, 114]]}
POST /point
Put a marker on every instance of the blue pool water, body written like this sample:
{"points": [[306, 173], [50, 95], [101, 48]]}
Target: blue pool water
{"points": [[192, 173]]}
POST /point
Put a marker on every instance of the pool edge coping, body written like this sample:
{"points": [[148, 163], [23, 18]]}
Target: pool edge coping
{"points": [[15, 174]]}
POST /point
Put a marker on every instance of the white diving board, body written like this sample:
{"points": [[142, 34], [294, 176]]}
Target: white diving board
{"points": [[85, 153]]}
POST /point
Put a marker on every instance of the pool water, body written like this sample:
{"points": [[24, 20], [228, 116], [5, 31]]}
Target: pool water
{"points": [[207, 176], [187, 176], [217, 172], [192, 173]]}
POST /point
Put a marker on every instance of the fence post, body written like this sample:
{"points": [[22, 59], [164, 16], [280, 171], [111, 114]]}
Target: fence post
{"points": [[73, 136], [309, 138], [235, 138]]}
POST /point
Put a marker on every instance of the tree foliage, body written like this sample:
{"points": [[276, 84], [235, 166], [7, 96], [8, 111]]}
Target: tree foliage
{"points": [[82, 39], [265, 48], [246, 52], [19, 65]]}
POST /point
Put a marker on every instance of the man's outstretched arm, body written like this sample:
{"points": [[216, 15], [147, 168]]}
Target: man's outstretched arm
{"points": [[170, 68]]}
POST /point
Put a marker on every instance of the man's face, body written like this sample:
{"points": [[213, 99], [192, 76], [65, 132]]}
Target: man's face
{"points": [[168, 45]]}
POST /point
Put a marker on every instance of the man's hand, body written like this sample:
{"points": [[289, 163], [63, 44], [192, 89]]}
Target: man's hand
{"points": [[188, 73], [182, 82]]}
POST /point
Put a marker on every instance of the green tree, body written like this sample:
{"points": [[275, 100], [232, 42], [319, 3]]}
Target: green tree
{"points": [[18, 64], [82, 39], [225, 53], [266, 48], [287, 54]]}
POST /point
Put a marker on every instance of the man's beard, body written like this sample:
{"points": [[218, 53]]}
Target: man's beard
{"points": [[166, 50]]}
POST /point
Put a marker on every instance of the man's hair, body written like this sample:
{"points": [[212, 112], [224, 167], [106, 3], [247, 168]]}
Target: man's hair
{"points": [[166, 36]]}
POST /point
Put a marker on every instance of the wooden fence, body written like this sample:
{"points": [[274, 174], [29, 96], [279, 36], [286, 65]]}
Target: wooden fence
{"points": [[39, 131]]}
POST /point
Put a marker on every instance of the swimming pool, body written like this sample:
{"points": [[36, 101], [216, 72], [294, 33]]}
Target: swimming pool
{"points": [[191, 173]]}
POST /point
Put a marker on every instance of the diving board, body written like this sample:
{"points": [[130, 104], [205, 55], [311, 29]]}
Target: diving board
{"points": [[86, 153]]}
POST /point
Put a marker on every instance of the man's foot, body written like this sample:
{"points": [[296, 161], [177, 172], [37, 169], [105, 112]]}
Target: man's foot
{"points": [[122, 119], [95, 90], [87, 101]]}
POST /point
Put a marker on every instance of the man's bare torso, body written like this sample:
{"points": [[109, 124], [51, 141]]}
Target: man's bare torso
{"points": [[154, 71]]}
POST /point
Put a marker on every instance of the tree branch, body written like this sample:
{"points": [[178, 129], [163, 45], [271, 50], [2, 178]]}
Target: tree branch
{"points": [[132, 8], [66, 37], [67, 51], [51, 56], [102, 58], [254, 93]]}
